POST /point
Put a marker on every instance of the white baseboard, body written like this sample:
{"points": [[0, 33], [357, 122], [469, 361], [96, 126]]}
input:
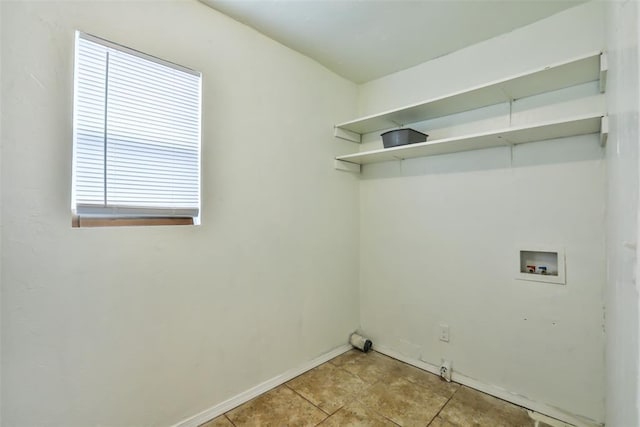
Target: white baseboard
{"points": [[498, 392], [247, 395]]}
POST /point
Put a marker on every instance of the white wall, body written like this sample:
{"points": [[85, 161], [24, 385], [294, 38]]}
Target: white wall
{"points": [[622, 357], [438, 235], [0, 228], [149, 325]]}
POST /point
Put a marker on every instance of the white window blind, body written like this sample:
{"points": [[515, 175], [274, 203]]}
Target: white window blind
{"points": [[136, 134]]}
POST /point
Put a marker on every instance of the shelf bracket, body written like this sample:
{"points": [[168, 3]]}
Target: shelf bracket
{"points": [[604, 130], [347, 135], [341, 165], [604, 67]]}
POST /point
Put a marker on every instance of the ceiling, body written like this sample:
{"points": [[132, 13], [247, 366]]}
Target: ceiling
{"points": [[366, 39]]}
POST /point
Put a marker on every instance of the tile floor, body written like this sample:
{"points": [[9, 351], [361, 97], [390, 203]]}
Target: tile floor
{"points": [[358, 389]]}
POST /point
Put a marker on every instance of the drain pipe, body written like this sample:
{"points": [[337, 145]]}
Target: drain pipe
{"points": [[360, 342]]}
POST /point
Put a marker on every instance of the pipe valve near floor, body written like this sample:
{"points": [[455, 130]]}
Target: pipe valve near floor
{"points": [[445, 370]]}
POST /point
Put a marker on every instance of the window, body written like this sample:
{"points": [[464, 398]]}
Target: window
{"points": [[136, 137]]}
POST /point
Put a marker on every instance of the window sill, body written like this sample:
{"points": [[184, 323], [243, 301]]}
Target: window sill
{"points": [[79, 222]]}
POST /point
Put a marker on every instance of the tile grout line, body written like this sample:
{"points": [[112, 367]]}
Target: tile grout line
{"points": [[379, 414], [364, 370], [417, 383], [314, 405], [380, 379], [353, 397], [445, 404], [229, 419], [356, 398], [369, 385]]}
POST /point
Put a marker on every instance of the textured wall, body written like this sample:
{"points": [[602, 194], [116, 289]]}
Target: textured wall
{"points": [[622, 298], [150, 325], [440, 235]]}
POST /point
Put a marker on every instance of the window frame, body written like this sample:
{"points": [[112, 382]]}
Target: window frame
{"points": [[114, 215]]}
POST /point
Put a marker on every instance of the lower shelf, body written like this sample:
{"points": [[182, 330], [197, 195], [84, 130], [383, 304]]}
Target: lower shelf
{"points": [[582, 125]]}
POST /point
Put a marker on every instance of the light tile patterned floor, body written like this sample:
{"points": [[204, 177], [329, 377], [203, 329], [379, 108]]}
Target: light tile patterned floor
{"points": [[358, 389]]}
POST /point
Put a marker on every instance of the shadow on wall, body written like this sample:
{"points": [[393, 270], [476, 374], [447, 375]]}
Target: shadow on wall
{"points": [[554, 151]]}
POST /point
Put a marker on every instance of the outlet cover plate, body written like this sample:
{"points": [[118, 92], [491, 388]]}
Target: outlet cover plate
{"points": [[444, 332]]}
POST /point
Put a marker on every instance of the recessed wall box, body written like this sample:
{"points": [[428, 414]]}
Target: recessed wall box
{"points": [[541, 265]]}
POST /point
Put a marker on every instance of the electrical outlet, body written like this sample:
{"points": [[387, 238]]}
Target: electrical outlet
{"points": [[444, 332]]}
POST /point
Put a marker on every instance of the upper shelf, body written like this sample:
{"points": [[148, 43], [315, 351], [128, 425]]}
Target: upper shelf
{"points": [[581, 125], [579, 70]]}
